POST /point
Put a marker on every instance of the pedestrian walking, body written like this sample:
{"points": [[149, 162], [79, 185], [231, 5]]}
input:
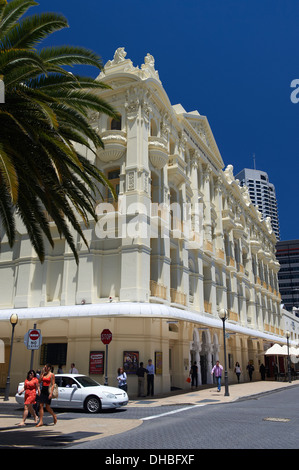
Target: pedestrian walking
{"points": [[250, 369], [194, 375], [141, 379], [238, 371], [60, 370], [217, 370], [31, 388], [47, 378], [150, 377], [122, 379]]}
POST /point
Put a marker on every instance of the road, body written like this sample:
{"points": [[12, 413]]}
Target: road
{"points": [[267, 422], [257, 415]]}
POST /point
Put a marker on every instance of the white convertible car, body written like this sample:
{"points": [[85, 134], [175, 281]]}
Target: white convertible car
{"points": [[80, 391]]}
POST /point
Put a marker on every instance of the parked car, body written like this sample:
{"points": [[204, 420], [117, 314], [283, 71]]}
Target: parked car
{"points": [[80, 391]]}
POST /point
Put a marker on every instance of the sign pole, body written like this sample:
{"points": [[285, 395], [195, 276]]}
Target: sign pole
{"points": [[106, 337], [32, 352], [106, 366]]}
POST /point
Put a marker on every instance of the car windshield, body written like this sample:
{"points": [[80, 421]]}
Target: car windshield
{"points": [[87, 381]]}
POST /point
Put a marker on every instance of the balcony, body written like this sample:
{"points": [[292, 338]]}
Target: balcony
{"points": [[230, 263], [228, 221], [177, 297], [157, 152], [207, 306], [176, 170], [255, 245], [115, 144], [158, 290], [208, 246]]}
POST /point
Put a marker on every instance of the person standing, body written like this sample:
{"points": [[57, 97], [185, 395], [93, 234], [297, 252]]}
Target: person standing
{"points": [[217, 370], [150, 377], [238, 371], [140, 374], [194, 375], [31, 387], [73, 369], [250, 369], [122, 379], [47, 379], [263, 371]]}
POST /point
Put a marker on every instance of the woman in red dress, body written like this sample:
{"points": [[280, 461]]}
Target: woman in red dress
{"points": [[31, 386]]}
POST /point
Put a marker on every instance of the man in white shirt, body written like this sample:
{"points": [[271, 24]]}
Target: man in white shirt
{"points": [[73, 369], [150, 377]]}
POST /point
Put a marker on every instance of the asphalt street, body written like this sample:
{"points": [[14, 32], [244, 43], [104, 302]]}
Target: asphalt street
{"points": [[250, 417]]}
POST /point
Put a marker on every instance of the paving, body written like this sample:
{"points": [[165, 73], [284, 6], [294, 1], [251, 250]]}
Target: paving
{"points": [[73, 430]]}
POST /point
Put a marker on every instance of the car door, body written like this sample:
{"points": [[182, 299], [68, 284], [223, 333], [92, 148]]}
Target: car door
{"points": [[69, 393]]}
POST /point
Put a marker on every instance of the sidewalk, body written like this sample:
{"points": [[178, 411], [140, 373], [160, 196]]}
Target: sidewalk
{"points": [[80, 429]]}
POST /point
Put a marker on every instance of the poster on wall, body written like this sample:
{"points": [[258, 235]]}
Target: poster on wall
{"points": [[131, 361], [96, 362], [158, 363]]}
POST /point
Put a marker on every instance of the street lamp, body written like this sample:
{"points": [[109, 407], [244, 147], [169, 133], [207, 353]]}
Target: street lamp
{"points": [[289, 361], [13, 320], [223, 315]]}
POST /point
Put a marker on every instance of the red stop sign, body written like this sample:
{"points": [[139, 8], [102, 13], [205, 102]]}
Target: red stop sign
{"points": [[34, 335], [106, 336]]}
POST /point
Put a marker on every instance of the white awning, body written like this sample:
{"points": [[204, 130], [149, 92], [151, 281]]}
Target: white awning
{"points": [[132, 309]]}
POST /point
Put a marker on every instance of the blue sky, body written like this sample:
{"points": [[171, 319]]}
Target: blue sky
{"points": [[232, 60]]}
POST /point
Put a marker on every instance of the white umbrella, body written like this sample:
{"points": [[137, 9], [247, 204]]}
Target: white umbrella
{"points": [[276, 350], [294, 351]]}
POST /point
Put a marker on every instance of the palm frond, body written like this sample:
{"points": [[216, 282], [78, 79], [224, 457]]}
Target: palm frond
{"points": [[33, 29], [11, 12]]}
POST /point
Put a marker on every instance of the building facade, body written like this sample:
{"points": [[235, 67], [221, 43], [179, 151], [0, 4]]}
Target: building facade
{"points": [[263, 195], [183, 241], [287, 253]]}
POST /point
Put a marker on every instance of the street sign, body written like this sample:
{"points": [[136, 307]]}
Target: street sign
{"points": [[106, 336], [33, 339]]}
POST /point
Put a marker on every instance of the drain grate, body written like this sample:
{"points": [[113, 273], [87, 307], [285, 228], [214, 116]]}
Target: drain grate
{"points": [[279, 420]]}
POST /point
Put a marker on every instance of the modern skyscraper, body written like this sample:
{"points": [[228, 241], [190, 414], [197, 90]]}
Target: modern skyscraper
{"points": [[287, 253], [262, 194]]}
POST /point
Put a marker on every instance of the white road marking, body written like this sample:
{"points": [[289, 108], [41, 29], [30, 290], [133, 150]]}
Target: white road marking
{"points": [[171, 412]]}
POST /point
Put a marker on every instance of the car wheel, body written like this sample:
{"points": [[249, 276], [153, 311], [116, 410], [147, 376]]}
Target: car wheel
{"points": [[92, 404]]}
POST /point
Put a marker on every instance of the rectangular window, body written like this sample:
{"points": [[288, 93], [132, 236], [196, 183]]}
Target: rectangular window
{"points": [[53, 353]]}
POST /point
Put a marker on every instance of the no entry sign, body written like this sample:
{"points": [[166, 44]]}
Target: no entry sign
{"points": [[106, 336], [33, 339]]}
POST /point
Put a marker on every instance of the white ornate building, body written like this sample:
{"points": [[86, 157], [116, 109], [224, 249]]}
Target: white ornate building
{"points": [[183, 242]]}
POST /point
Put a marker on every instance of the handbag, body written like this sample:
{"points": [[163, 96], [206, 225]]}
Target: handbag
{"points": [[55, 391], [188, 379]]}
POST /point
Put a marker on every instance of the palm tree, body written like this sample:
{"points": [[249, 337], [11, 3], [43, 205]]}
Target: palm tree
{"points": [[44, 116]]}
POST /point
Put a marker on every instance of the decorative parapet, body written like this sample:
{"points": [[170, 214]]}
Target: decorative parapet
{"points": [[121, 64], [207, 306], [178, 297], [233, 316], [158, 290], [220, 254], [208, 246]]}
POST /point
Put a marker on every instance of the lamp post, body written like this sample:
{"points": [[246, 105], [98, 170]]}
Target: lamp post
{"points": [[289, 361], [13, 320], [223, 315]]}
